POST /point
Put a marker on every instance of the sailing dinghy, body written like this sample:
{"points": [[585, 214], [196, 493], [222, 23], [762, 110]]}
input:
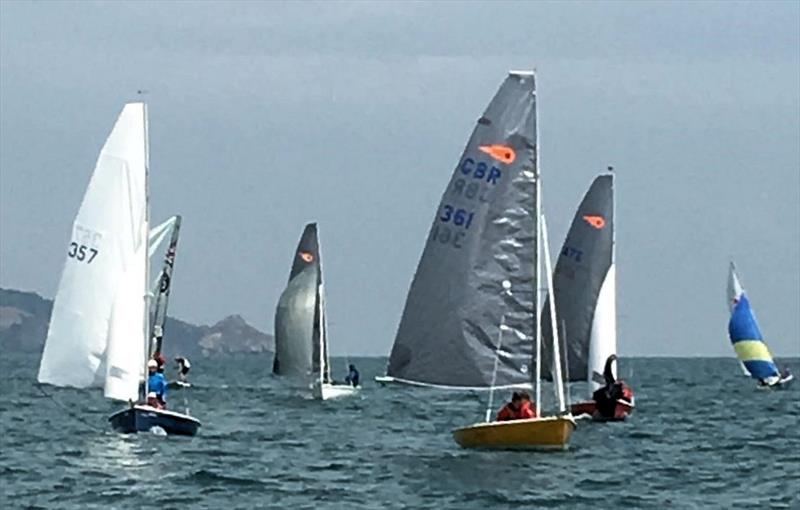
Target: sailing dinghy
{"points": [[585, 296], [745, 335], [469, 317], [301, 327], [99, 329]]}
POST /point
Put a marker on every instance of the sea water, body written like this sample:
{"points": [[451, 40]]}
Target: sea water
{"points": [[702, 436]]}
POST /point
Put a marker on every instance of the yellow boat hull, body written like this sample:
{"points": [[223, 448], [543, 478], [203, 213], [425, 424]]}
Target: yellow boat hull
{"points": [[550, 433]]}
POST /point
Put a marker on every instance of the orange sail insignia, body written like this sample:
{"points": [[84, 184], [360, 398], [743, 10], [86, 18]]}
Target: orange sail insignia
{"points": [[597, 222], [502, 153], [306, 256]]}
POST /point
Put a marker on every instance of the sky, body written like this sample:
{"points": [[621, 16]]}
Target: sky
{"points": [[265, 116]]}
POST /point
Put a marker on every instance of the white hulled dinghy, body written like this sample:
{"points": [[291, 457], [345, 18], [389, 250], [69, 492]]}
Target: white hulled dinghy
{"points": [[747, 340], [99, 329], [584, 291], [301, 327], [507, 134]]}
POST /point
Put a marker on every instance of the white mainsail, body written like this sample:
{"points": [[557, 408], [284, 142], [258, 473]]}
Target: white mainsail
{"points": [[106, 253]]}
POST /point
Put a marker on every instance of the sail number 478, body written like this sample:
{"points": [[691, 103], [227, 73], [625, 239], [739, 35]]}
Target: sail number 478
{"points": [[81, 252]]}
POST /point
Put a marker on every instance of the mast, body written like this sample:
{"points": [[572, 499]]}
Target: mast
{"points": [[146, 250], [323, 319], [538, 304]]}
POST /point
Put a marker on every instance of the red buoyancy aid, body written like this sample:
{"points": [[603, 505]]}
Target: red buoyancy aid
{"points": [[524, 412]]}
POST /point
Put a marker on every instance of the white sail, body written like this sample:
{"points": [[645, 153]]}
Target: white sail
{"points": [[126, 335], [98, 253], [603, 336], [158, 235], [735, 288]]}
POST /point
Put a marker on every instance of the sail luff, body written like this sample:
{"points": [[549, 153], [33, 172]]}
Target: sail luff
{"points": [[537, 288], [146, 254]]}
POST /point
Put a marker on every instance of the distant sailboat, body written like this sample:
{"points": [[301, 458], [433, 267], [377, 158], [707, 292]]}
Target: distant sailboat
{"points": [[747, 340], [99, 329], [518, 238], [301, 329], [585, 297], [482, 234]]}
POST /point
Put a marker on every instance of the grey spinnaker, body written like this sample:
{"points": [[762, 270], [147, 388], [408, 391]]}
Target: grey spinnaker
{"points": [[484, 232], [583, 265], [297, 318]]}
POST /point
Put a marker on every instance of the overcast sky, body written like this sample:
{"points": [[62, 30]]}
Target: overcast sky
{"points": [[264, 116]]}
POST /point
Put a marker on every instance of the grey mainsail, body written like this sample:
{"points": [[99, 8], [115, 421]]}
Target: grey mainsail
{"points": [[582, 269], [484, 232], [299, 350]]}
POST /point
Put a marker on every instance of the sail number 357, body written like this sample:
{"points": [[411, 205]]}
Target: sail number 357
{"points": [[81, 252]]}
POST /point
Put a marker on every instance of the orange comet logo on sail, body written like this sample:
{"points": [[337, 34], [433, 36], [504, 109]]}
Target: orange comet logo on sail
{"points": [[306, 256], [597, 222], [501, 153]]}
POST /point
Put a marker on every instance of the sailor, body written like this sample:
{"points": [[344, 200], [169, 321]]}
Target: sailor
{"points": [[156, 383], [183, 368], [161, 360], [520, 408], [615, 390], [352, 376]]}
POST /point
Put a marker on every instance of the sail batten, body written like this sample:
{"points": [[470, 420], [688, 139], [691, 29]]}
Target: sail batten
{"points": [[484, 232]]}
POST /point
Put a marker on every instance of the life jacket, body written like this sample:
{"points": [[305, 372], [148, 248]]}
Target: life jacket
{"points": [[507, 413]]}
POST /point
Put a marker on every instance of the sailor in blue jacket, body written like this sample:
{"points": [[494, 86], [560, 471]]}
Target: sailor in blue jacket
{"points": [[156, 383], [352, 377]]}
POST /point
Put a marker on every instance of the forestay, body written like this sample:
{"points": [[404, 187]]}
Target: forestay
{"points": [[484, 232], [584, 287], [105, 254]]}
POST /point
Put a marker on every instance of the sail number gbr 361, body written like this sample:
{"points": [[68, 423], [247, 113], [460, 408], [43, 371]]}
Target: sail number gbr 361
{"points": [[469, 185]]}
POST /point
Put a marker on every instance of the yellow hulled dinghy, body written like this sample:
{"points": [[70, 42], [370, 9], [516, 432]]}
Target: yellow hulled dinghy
{"points": [[537, 432], [549, 433]]}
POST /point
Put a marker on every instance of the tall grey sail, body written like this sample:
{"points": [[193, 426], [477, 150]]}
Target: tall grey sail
{"points": [[583, 286], [483, 232], [299, 352]]}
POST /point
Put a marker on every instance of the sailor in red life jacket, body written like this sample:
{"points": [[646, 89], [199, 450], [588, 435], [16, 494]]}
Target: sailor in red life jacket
{"points": [[520, 408]]}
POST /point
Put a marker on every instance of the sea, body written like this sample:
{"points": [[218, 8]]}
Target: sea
{"points": [[702, 436]]}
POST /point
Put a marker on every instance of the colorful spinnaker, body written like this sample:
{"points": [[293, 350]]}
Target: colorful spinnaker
{"points": [[746, 337]]}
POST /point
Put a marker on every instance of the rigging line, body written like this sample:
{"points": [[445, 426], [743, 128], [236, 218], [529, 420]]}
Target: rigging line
{"points": [[64, 408]]}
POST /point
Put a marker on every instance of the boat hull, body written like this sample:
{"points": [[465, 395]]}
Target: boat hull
{"points": [[781, 384], [621, 412], [142, 418], [550, 433], [332, 391]]}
